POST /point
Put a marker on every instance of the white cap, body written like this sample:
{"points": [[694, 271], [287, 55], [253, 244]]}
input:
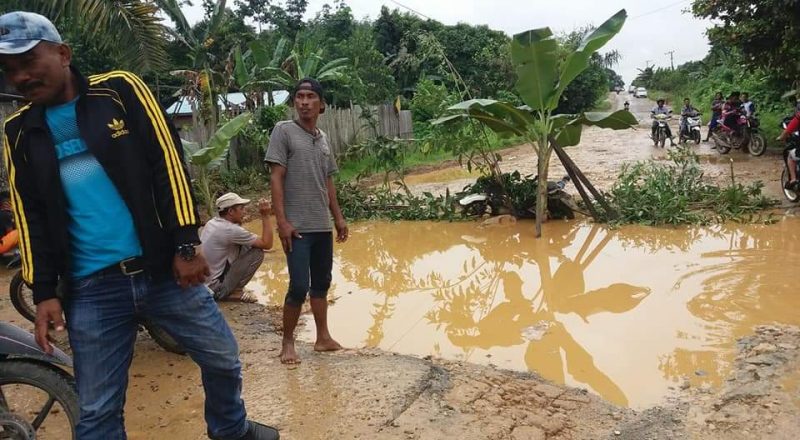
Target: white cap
{"points": [[230, 199]]}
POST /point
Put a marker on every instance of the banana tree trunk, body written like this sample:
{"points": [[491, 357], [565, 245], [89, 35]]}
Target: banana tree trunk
{"points": [[541, 189]]}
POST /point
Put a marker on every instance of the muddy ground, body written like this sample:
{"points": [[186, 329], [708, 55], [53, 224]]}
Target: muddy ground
{"points": [[372, 394]]}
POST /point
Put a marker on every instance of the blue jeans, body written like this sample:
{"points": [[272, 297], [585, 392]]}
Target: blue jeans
{"points": [[310, 263], [102, 313]]}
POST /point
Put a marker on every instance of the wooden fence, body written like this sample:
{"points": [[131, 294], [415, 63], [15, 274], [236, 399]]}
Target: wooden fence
{"points": [[344, 127], [350, 126]]}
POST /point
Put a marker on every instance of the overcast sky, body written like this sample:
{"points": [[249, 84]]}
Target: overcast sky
{"points": [[652, 29]]}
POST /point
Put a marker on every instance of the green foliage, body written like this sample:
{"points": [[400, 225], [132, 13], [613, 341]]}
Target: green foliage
{"points": [[208, 157], [654, 193], [241, 181], [382, 155], [130, 33], [764, 31], [585, 91], [430, 100], [381, 203], [541, 80]]}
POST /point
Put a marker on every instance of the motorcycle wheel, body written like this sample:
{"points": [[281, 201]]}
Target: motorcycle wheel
{"points": [[696, 136], [662, 139], [163, 339], [790, 195], [757, 145], [22, 297], [24, 383], [722, 147]]}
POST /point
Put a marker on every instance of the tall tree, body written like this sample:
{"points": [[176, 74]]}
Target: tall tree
{"points": [[765, 31], [128, 31]]}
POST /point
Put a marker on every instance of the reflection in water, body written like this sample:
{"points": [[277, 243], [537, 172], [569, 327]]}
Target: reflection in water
{"points": [[626, 312]]}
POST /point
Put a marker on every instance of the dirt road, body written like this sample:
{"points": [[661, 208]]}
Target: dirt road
{"points": [[602, 154]]}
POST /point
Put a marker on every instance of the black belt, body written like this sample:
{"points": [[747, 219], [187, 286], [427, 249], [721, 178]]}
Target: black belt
{"points": [[128, 267]]}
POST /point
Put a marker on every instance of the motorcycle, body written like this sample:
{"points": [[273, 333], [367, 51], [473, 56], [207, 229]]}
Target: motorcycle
{"points": [[627, 106], [36, 393], [22, 300], [745, 135], [690, 130], [492, 200], [793, 141], [660, 136]]}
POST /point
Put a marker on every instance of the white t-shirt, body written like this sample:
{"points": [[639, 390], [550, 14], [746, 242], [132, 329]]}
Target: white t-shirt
{"points": [[222, 243]]}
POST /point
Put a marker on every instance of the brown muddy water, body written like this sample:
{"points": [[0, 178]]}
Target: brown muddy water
{"points": [[628, 313]]}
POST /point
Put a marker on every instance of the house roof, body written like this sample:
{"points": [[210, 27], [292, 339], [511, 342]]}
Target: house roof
{"points": [[182, 107]]}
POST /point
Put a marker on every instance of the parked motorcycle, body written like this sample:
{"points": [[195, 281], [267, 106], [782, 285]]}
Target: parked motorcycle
{"points": [[36, 393], [691, 129], [793, 141], [493, 201], [745, 135], [22, 299], [660, 136]]}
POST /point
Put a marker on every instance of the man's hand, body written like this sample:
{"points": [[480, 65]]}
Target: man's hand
{"points": [[286, 232], [190, 273], [264, 208], [342, 232], [48, 311], [783, 136]]}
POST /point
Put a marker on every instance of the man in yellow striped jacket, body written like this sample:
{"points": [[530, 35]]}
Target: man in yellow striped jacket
{"points": [[108, 229]]}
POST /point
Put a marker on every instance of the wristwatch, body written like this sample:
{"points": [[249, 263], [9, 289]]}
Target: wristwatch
{"points": [[186, 251]]}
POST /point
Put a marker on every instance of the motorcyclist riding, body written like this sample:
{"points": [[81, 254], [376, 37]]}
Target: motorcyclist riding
{"points": [[793, 155], [661, 109], [688, 111], [627, 106], [731, 111]]}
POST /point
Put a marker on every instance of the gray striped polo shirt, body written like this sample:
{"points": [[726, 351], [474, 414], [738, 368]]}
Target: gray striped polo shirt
{"points": [[309, 161]]}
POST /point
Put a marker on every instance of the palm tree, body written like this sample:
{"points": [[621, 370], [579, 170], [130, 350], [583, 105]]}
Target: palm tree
{"points": [[132, 27]]}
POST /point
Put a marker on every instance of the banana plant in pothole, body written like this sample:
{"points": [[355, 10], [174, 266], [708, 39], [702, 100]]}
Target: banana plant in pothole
{"points": [[542, 76]]}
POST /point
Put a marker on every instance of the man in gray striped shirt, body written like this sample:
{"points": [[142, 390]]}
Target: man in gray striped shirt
{"points": [[304, 198]]}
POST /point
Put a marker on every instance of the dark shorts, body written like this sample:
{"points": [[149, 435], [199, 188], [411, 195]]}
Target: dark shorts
{"points": [[310, 263]]}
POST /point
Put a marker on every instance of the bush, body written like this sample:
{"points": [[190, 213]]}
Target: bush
{"points": [[657, 194]]}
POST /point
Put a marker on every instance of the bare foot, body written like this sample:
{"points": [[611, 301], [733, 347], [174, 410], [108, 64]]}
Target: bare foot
{"points": [[327, 344], [288, 354]]}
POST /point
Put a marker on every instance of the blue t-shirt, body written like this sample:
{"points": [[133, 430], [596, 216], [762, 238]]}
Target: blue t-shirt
{"points": [[101, 228]]}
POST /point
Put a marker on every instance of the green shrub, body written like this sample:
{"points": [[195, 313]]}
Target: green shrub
{"points": [[676, 193]]}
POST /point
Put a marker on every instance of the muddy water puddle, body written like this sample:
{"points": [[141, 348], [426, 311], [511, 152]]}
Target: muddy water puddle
{"points": [[627, 313]]}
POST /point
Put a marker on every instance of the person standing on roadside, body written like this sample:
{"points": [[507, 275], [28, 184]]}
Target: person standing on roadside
{"points": [[108, 229], [234, 254], [304, 198]]}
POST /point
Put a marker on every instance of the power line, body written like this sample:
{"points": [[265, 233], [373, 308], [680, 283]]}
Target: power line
{"points": [[412, 10], [659, 9]]}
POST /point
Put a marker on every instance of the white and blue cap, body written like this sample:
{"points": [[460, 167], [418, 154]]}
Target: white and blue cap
{"points": [[21, 31]]}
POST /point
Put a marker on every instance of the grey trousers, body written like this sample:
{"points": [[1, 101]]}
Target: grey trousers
{"points": [[237, 274]]}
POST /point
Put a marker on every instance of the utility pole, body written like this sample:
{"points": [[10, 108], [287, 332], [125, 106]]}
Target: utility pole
{"points": [[671, 63], [647, 64]]}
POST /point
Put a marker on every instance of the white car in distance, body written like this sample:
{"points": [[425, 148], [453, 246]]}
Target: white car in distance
{"points": [[641, 92]]}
